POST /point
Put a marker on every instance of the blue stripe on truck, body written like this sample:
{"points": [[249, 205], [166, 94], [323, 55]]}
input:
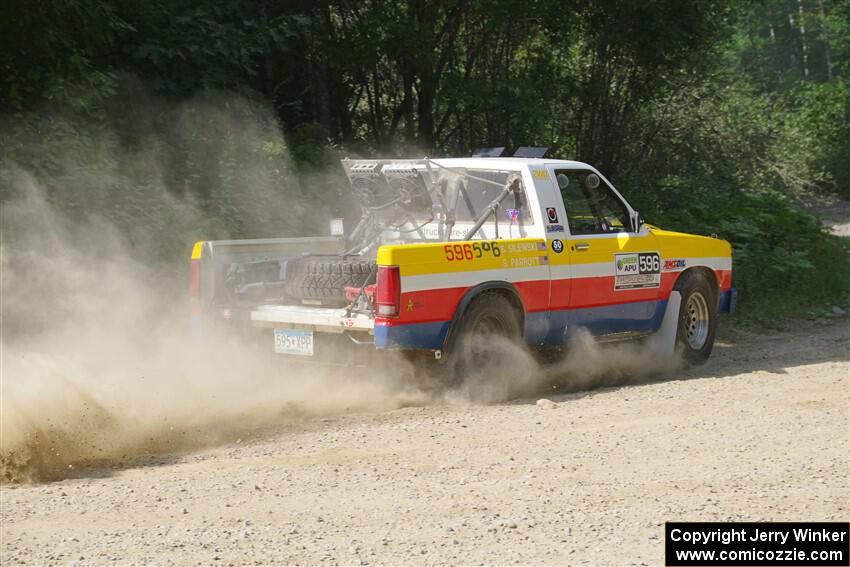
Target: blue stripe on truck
{"points": [[604, 320], [542, 327]]}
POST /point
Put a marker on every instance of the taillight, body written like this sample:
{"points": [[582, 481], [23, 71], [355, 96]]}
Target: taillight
{"points": [[388, 294], [195, 279]]}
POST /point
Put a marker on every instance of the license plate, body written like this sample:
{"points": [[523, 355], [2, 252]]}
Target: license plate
{"points": [[289, 341]]}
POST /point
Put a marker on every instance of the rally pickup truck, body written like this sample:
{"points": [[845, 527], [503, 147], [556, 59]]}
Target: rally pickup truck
{"points": [[451, 252]]}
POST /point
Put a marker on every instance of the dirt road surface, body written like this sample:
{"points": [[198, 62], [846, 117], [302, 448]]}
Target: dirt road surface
{"points": [[833, 213], [760, 433]]}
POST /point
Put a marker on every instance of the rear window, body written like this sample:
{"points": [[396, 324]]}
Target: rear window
{"points": [[482, 188], [415, 201]]}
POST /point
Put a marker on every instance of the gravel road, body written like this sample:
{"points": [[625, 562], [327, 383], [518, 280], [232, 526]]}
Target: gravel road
{"points": [[759, 433]]}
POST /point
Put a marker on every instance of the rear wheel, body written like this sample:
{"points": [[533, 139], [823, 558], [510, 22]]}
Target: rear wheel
{"points": [[697, 318], [489, 325]]}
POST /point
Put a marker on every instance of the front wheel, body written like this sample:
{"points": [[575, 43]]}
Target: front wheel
{"points": [[697, 319]]}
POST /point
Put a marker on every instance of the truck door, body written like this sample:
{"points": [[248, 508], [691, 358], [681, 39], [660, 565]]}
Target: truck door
{"points": [[615, 268]]}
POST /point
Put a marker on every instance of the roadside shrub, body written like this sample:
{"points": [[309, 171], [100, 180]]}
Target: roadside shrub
{"points": [[785, 264]]}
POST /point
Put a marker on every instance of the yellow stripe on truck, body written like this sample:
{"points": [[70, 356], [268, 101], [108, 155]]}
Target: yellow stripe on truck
{"points": [[680, 245], [462, 256]]}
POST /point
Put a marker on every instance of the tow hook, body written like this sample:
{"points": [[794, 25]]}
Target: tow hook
{"points": [[359, 342]]}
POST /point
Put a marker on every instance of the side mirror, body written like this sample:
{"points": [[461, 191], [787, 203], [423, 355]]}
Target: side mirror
{"points": [[636, 221]]}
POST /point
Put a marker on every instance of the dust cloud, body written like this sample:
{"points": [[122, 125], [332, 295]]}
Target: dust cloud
{"points": [[106, 368], [582, 363], [98, 366], [97, 362]]}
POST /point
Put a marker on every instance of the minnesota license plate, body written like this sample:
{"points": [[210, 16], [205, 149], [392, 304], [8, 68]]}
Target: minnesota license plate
{"points": [[289, 341]]}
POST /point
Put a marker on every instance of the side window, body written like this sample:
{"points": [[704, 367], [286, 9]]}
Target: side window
{"points": [[592, 207]]}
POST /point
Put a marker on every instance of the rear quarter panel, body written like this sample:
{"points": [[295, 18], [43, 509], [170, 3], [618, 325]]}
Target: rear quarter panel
{"points": [[436, 276]]}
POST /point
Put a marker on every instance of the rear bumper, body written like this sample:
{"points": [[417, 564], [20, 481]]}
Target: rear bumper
{"points": [[338, 339], [306, 318], [416, 336], [728, 301]]}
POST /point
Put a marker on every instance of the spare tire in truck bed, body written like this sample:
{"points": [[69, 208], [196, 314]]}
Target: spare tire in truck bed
{"points": [[322, 278]]}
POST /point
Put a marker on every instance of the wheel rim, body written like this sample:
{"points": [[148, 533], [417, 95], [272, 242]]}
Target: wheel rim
{"points": [[481, 354], [490, 325], [696, 320]]}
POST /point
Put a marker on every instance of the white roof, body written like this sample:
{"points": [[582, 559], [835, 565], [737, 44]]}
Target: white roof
{"points": [[501, 162], [489, 162]]}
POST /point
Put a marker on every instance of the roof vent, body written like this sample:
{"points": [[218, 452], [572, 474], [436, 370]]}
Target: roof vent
{"points": [[530, 152], [488, 152]]}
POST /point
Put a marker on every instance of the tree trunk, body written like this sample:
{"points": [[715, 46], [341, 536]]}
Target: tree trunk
{"points": [[803, 39], [268, 70], [425, 112], [826, 45], [409, 122], [318, 74]]}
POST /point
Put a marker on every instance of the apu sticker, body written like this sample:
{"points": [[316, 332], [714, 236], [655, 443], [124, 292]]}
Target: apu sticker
{"points": [[557, 246], [638, 270], [552, 214]]}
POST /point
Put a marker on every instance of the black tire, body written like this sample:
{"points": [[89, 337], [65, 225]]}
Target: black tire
{"points": [[489, 315], [697, 318], [324, 278]]}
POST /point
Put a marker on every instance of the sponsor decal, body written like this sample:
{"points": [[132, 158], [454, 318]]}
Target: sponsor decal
{"points": [[432, 231], [552, 214], [513, 215], [555, 228], [637, 270], [527, 262], [557, 246], [522, 247], [461, 252], [674, 264], [539, 173]]}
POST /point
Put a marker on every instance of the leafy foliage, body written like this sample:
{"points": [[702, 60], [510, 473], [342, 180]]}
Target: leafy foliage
{"points": [[166, 117]]}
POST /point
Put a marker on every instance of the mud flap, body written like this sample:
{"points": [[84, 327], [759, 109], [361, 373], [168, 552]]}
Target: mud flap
{"points": [[664, 341]]}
